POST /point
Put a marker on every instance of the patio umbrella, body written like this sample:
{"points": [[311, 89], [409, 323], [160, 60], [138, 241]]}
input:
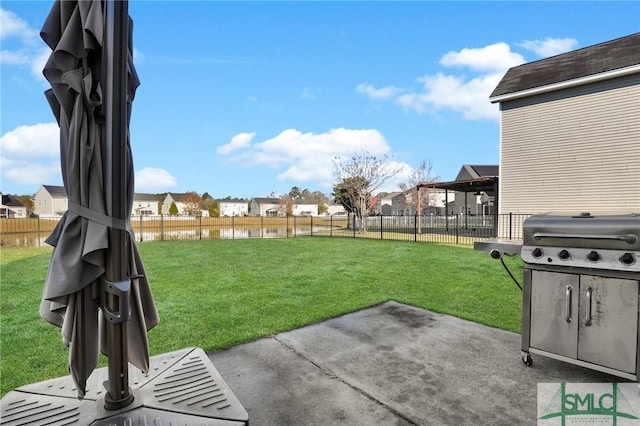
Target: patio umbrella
{"points": [[96, 288]]}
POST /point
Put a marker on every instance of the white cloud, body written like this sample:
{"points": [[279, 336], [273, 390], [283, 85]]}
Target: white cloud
{"points": [[402, 177], [38, 61], [550, 46], [378, 93], [308, 157], [31, 154], [467, 95], [29, 50], [239, 141], [495, 57], [26, 172], [11, 25], [18, 57], [152, 179], [31, 142]]}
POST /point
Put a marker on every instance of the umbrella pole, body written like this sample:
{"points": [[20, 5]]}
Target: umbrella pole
{"points": [[116, 127]]}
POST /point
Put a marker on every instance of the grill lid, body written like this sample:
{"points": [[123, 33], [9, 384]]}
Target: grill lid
{"points": [[615, 232]]}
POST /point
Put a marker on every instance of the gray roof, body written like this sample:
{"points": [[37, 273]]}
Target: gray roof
{"points": [[176, 196], [11, 201], [475, 171], [231, 200], [483, 171], [265, 200], [145, 197], [55, 191], [600, 58]]}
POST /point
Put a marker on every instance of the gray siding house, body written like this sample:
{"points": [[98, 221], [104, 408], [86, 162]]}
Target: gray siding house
{"points": [[477, 203], [50, 201], [266, 207], [570, 132], [386, 204]]}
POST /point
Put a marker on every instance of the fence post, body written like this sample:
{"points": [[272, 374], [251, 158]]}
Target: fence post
{"points": [[200, 226], [161, 227], [261, 226], [415, 228], [510, 223], [39, 231], [381, 237], [233, 227], [457, 230], [311, 226], [330, 225], [140, 228], [354, 225]]}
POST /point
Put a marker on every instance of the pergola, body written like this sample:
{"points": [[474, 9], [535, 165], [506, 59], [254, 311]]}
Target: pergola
{"points": [[483, 184]]}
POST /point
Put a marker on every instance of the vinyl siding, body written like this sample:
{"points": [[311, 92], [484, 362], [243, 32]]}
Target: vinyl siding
{"points": [[573, 151]]}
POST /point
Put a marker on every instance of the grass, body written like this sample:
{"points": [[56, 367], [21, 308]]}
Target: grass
{"points": [[218, 293]]}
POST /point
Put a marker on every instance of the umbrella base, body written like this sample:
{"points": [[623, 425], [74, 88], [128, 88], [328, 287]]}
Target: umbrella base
{"points": [[182, 387]]}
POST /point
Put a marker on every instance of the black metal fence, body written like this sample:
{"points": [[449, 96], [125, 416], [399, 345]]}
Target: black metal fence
{"points": [[458, 229]]}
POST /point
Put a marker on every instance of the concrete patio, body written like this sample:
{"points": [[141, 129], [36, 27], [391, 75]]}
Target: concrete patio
{"points": [[393, 364]]}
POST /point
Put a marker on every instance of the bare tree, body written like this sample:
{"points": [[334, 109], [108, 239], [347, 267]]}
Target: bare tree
{"points": [[286, 203], [420, 175], [357, 177]]}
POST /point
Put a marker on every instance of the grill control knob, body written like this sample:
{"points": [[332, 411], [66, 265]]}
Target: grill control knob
{"points": [[594, 256], [564, 254], [627, 259], [537, 252]]}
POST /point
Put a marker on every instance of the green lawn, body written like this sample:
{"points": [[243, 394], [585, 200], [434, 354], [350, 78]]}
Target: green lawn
{"points": [[214, 294]]}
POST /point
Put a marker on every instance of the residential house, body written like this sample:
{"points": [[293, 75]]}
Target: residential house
{"points": [[50, 201], [182, 204], [385, 205], [333, 209], [270, 207], [144, 205], [233, 207], [304, 208], [476, 203], [570, 132], [173, 198], [402, 203], [433, 200], [11, 207], [273, 207]]}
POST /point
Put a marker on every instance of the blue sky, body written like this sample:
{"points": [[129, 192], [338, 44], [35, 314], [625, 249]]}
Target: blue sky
{"points": [[246, 99]]}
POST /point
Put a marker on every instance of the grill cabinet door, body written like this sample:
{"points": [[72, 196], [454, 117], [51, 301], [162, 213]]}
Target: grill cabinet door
{"points": [[554, 312], [610, 337]]}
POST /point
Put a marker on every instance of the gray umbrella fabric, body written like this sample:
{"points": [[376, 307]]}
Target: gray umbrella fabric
{"points": [[71, 299]]}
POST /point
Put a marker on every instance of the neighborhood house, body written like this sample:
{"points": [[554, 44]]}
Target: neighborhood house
{"points": [[12, 208], [51, 201], [570, 132], [233, 207]]}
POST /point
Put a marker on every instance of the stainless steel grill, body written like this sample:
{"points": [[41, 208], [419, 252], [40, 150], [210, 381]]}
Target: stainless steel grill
{"points": [[581, 291]]}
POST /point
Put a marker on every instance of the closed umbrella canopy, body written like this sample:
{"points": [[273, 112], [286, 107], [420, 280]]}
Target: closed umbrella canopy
{"points": [[75, 283]]}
